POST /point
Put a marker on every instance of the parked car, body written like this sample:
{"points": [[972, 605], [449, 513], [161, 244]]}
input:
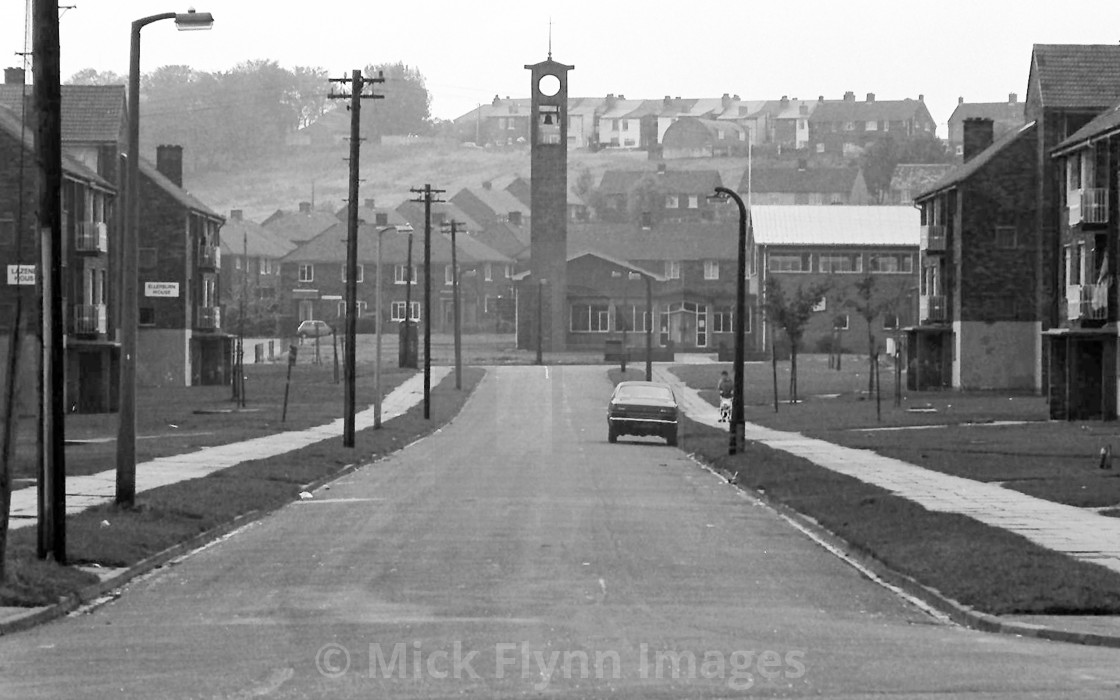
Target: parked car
{"points": [[643, 408], [313, 329]]}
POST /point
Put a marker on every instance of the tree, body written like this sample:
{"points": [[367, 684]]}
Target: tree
{"points": [[880, 158], [92, 76], [647, 197], [406, 108], [792, 315], [870, 306]]}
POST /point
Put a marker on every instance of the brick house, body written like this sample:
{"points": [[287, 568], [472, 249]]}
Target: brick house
{"points": [[314, 279], [250, 275], [1006, 116], [1082, 350], [908, 179], [804, 185], [839, 245], [838, 126], [88, 205], [180, 339], [649, 196], [978, 322], [301, 225], [694, 137]]}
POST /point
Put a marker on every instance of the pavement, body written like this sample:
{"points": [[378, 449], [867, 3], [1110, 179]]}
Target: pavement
{"points": [[1081, 534]]}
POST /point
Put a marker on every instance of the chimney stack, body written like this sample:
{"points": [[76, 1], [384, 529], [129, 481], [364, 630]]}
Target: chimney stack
{"points": [[305, 207], [921, 98], [235, 215], [1012, 98], [978, 135], [960, 100], [381, 218], [849, 96], [169, 162], [14, 76], [870, 97]]}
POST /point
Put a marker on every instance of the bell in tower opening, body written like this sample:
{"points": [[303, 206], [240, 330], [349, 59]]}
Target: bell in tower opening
{"points": [[548, 132]]}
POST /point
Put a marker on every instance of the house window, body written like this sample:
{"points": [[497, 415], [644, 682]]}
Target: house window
{"points": [[1006, 237], [306, 272], [840, 322], [711, 269], [237, 262], [509, 271], [147, 316], [630, 317], [342, 309], [849, 126], [890, 321], [488, 272], [396, 311], [693, 201], [590, 318], [872, 126], [841, 262], [401, 274], [361, 273], [673, 269], [723, 320], [891, 263], [449, 274], [791, 262], [672, 201]]}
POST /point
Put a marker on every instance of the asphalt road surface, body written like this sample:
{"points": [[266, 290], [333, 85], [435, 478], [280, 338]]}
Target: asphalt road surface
{"points": [[517, 553]]}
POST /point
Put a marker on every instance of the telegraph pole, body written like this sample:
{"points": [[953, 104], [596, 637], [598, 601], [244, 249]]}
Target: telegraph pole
{"points": [[357, 83], [48, 147], [455, 302], [427, 196]]}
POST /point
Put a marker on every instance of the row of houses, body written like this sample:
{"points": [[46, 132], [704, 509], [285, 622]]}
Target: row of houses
{"points": [[673, 127], [1018, 247]]}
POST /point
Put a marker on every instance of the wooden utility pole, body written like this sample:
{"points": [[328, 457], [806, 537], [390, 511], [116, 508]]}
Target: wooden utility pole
{"points": [[455, 302], [427, 196], [357, 83]]}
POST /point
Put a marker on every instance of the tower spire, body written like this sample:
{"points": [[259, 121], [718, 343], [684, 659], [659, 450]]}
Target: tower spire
{"points": [[550, 38]]}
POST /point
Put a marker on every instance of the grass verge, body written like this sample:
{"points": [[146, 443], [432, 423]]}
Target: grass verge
{"points": [[110, 536], [987, 568]]}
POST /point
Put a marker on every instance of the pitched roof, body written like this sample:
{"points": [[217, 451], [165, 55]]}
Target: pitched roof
{"points": [[794, 180], [330, 247], [241, 236], [495, 203], [999, 112], [914, 177], [835, 225], [10, 123], [962, 172], [625, 264], [413, 212], [299, 226], [90, 113], [861, 110], [1076, 75], [184, 198], [665, 241], [682, 181]]}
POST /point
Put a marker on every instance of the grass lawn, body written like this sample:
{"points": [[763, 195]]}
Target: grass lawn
{"points": [[953, 432], [171, 514]]}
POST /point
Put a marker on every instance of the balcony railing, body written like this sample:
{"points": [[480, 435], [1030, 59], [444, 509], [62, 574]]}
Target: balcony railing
{"points": [[209, 318], [209, 257], [932, 308], [933, 237], [1094, 205], [90, 319], [92, 237], [1087, 302]]}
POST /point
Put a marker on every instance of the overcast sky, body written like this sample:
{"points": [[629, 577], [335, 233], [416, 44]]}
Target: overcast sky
{"points": [[470, 51]]}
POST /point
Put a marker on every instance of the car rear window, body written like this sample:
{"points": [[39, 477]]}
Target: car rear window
{"points": [[644, 392]]}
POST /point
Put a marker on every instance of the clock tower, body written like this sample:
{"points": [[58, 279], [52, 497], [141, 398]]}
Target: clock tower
{"points": [[548, 225]]}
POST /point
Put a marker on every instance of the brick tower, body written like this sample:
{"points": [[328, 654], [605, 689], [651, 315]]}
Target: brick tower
{"points": [[548, 227]]}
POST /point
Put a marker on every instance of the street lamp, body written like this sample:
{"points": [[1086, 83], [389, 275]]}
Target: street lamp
{"points": [[377, 315], [126, 431], [737, 428]]}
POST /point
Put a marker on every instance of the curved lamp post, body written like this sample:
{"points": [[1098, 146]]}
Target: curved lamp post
{"points": [[126, 431], [737, 440]]}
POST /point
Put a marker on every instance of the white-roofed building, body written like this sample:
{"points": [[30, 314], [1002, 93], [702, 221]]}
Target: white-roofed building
{"points": [[801, 245]]}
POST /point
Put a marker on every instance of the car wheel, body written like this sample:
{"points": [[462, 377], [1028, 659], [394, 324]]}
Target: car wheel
{"points": [[612, 435]]}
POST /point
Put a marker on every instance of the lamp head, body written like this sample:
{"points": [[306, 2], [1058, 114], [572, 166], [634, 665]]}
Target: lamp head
{"points": [[193, 21]]}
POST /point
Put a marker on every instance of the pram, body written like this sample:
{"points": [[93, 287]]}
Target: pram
{"points": [[724, 409]]}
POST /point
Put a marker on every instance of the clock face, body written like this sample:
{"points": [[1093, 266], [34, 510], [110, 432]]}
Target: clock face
{"points": [[549, 85]]}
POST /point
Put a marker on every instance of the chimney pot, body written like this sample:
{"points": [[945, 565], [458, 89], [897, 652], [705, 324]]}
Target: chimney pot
{"points": [[820, 98]]}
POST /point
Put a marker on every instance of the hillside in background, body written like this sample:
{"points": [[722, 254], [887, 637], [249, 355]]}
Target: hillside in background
{"points": [[388, 172]]}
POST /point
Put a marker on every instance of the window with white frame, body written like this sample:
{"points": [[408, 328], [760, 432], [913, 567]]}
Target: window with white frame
{"points": [[791, 262], [693, 201], [841, 262], [509, 271], [488, 272], [361, 273], [631, 317], [449, 274], [673, 269], [361, 306], [672, 201], [891, 263], [237, 262], [871, 126], [396, 311], [590, 318], [723, 320], [711, 269], [306, 272], [401, 274], [840, 321]]}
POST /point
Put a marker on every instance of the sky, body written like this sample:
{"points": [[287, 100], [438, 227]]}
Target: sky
{"points": [[469, 52]]}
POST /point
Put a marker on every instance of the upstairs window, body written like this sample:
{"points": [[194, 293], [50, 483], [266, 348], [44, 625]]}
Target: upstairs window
{"points": [[361, 273], [791, 262], [306, 272], [841, 262], [889, 263], [673, 269], [711, 269]]}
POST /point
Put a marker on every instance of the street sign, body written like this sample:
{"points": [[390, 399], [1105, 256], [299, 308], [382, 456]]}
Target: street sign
{"points": [[161, 289], [21, 274]]}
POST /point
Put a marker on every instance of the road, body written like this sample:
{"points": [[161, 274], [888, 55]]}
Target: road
{"points": [[516, 552]]}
